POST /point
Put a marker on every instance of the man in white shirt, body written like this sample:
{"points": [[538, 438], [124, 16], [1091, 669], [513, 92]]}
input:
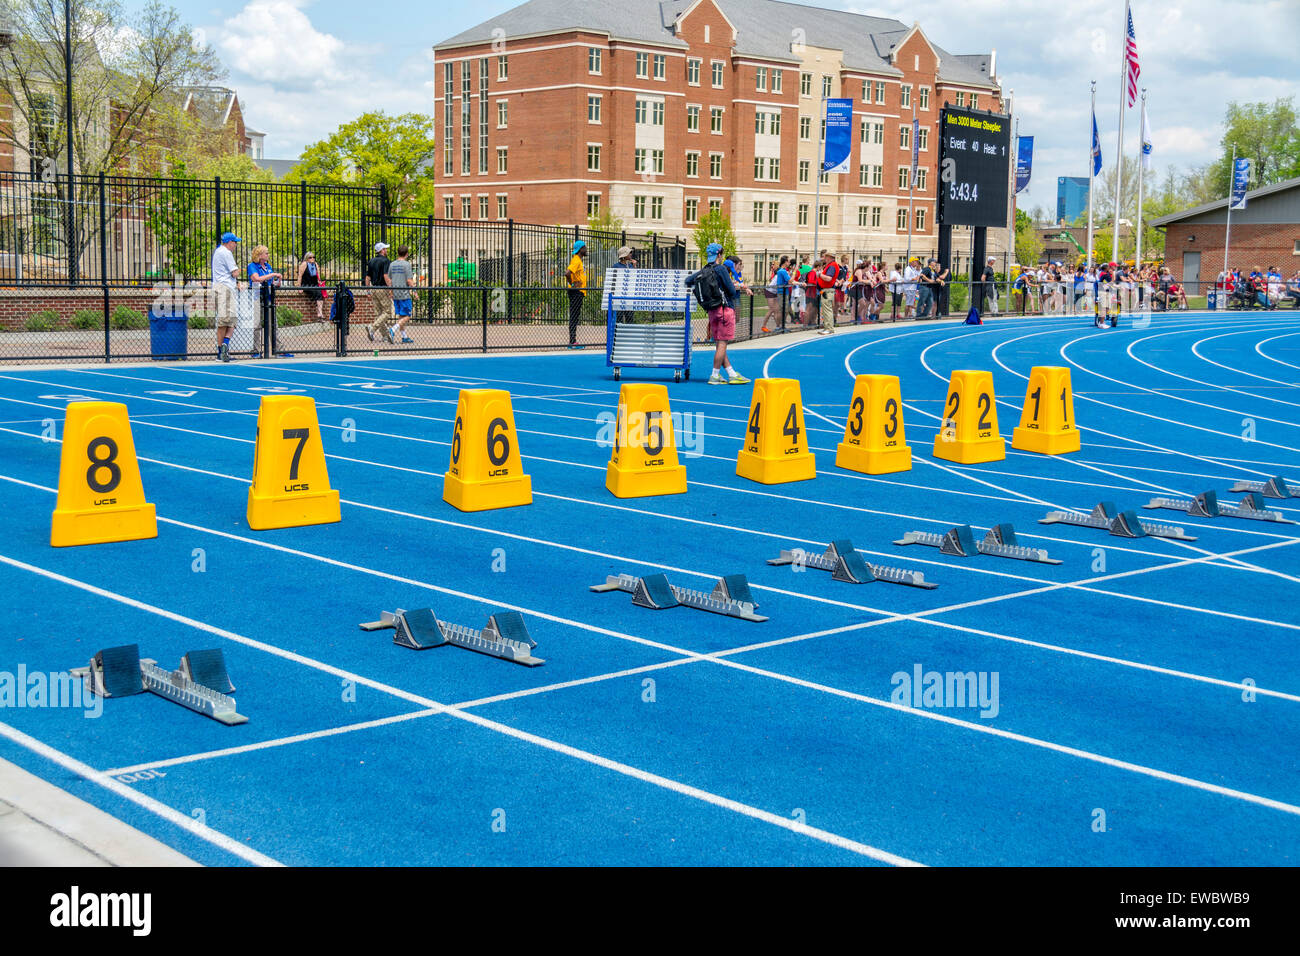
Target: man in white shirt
{"points": [[224, 273]]}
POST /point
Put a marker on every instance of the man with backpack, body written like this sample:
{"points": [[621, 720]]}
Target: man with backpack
{"points": [[717, 295]]}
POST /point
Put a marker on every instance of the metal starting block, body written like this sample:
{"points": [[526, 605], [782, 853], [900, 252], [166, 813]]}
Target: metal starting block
{"points": [[1123, 524], [1273, 488], [505, 636], [1207, 505], [844, 563], [999, 541], [730, 596], [201, 683]]}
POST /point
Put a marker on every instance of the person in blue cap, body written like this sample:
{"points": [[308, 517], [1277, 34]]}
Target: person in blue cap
{"points": [[576, 275], [224, 274], [722, 319]]}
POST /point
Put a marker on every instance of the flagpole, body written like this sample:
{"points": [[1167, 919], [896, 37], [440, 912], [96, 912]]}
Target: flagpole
{"points": [[911, 181], [1227, 229], [817, 202], [1119, 150], [1015, 145], [1142, 161], [1092, 171]]}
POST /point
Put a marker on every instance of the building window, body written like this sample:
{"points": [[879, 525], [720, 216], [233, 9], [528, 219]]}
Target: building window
{"points": [[774, 121], [643, 66], [661, 66], [920, 178], [823, 133], [902, 177], [864, 175], [805, 128], [974, 101], [593, 158], [466, 207], [805, 170], [877, 176], [657, 113], [502, 207], [758, 213], [715, 119], [773, 213], [823, 215], [905, 137], [826, 86], [692, 72], [501, 159], [805, 84], [657, 208], [924, 97], [638, 161], [862, 217], [866, 131], [692, 165], [449, 208], [715, 165], [760, 167], [875, 217], [824, 178], [923, 138], [880, 91], [593, 109], [920, 220], [657, 161], [593, 204], [693, 258], [717, 74], [760, 123], [639, 113], [961, 98], [501, 114], [593, 60], [638, 207], [902, 219], [692, 211], [692, 119], [465, 145], [448, 120], [879, 136], [803, 214], [776, 81], [760, 79], [483, 207], [715, 205], [774, 168], [503, 71], [905, 96]]}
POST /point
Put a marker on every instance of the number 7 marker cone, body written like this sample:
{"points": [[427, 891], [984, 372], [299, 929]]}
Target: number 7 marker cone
{"points": [[291, 486], [101, 497]]}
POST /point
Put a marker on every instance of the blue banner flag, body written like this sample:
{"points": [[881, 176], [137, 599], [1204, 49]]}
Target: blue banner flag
{"points": [[1096, 147], [1024, 162], [839, 136], [1240, 183]]}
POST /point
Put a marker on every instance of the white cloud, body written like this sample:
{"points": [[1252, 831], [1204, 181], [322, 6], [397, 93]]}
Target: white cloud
{"points": [[275, 41]]}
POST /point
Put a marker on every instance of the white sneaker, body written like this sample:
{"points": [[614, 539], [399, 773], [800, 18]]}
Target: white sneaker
{"points": [[716, 378], [737, 378]]}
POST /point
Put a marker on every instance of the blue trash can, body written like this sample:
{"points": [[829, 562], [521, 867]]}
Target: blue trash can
{"points": [[169, 334], [1212, 300]]}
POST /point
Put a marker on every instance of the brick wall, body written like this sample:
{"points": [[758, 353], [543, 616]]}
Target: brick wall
{"points": [[1251, 246]]}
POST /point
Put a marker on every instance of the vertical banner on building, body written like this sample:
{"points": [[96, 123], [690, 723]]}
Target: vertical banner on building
{"points": [[1240, 183], [1024, 162], [839, 136], [916, 146]]}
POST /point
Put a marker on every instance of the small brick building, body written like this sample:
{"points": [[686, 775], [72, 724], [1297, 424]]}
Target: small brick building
{"points": [[1265, 234]]}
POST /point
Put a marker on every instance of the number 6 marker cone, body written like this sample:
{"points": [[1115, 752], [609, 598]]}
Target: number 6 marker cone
{"points": [[485, 470]]}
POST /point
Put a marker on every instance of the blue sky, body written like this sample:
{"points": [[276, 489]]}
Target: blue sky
{"points": [[301, 67]]}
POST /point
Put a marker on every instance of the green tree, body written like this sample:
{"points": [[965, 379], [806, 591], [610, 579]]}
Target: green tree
{"points": [[174, 218], [605, 221], [1265, 133], [234, 167], [1029, 247], [376, 149], [714, 226]]}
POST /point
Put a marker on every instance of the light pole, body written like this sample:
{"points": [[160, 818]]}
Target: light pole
{"points": [[67, 123]]}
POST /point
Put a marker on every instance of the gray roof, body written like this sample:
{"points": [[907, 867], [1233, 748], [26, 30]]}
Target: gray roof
{"points": [[1218, 204], [280, 167], [762, 30]]}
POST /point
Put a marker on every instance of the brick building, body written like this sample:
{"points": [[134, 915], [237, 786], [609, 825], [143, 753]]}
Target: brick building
{"points": [[1265, 234], [658, 112]]}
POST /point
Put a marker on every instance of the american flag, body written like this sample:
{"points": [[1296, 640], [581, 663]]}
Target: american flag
{"points": [[1132, 69]]}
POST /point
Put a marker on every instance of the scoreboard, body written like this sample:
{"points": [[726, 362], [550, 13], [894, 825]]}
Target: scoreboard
{"points": [[974, 167]]}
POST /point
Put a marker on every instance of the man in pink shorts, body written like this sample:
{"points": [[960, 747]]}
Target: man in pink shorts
{"points": [[722, 319]]}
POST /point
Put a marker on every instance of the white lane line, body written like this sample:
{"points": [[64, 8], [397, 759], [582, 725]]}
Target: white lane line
{"points": [[675, 786], [174, 817]]}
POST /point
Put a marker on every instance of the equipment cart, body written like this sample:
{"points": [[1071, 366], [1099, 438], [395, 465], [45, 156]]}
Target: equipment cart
{"points": [[652, 344]]}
